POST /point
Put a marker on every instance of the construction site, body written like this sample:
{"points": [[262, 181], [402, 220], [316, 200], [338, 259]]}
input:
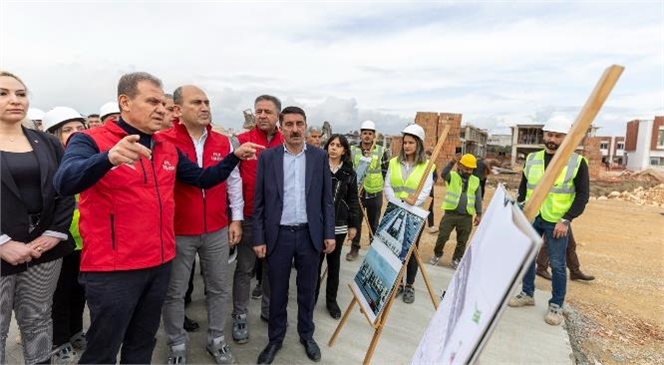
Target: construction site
{"points": [[619, 316]]}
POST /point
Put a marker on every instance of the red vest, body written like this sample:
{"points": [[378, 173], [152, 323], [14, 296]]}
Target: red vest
{"points": [[199, 211], [248, 167], [127, 216]]}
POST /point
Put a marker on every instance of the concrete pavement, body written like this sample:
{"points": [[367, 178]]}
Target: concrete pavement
{"points": [[521, 336]]}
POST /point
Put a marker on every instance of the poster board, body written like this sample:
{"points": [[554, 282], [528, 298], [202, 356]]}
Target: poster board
{"points": [[493, 265], [398, 229]]}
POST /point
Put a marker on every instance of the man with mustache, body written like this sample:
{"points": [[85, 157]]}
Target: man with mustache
{"points": [[202, 226], [566, 200]]}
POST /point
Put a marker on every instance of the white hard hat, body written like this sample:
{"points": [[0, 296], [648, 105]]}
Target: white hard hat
{"points": [[558, 124], [367, 124], [109, 108], [58, 115], [35, 114], [416, 130]]}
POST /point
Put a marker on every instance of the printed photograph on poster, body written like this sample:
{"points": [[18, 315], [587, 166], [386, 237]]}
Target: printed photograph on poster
{"points": [[400, 226], [375, 279], [479, 290]]}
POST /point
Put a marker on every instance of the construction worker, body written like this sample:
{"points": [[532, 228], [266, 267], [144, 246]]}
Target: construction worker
{"points": [[109, 112], [463, 200], [573, 264], [371, 194], [404, 174], [566, 200]]}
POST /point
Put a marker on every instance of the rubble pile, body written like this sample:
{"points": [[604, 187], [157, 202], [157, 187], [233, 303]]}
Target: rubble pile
{"points": [[642, 196]]}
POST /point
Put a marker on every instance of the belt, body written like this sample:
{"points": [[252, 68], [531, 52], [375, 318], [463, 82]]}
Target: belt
{"points": [[294, 227], [372, 195]]}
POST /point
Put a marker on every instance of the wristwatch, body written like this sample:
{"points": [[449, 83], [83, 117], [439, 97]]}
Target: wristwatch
{"points": [[564, 221]]}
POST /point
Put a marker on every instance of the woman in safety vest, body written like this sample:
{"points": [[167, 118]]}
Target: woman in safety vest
{"points": [[403, 176], [69, 296]]}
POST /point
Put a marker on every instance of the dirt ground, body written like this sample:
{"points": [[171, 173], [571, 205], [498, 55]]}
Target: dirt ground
{"points": [[619, 317]]}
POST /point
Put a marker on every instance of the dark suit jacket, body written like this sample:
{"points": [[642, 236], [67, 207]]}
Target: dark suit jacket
{"points": [[57, 210], [268, 197]]}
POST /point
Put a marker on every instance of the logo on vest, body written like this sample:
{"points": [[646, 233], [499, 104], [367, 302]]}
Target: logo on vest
{"points": [[216, 156], [167, 166]]}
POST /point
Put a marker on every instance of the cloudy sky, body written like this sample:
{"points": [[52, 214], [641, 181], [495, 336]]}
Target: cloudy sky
{"points": [[497, 63]]}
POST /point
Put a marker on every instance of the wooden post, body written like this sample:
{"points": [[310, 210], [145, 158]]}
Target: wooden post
{"points": [[573, 138], [425, 277]]}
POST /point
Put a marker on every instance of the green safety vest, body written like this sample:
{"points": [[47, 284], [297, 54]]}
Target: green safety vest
{"points": [[403, 188], [73, 228], [373, 180], [562, 194], [455, 189]]}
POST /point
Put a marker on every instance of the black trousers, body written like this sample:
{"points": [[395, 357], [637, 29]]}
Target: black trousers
{"points": [[125, 310], [68, 301], [373, 207], [333, 267]]}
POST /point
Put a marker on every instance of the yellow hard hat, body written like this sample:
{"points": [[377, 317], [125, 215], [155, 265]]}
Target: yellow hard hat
{"points": [[468, 161]]}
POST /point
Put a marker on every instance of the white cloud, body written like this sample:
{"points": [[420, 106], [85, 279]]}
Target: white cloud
{"points": [[496, 63]]}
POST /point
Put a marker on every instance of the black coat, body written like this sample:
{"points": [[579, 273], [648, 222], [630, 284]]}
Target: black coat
{"points": [[346, 202], [57, 211]]}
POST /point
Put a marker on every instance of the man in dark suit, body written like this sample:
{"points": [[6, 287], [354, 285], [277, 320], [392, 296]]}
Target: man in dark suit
{"points": [[298, 174]]}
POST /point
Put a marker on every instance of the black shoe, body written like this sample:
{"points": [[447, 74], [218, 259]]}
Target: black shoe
{"points": [[190, 325], [334, 310], [312, 349], [268, 354]]}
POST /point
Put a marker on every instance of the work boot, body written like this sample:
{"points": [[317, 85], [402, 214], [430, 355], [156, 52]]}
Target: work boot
{"points": [[578, 275], [352, 255], [544, 272]]}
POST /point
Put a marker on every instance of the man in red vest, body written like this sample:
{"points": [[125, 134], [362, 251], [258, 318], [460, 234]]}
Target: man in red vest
{"points": [[126, 175], [202, 226], [266, 134]]}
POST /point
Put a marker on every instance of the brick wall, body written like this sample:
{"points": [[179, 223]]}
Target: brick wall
{"points": [[593, 154], [631, 135], [658, 123]]}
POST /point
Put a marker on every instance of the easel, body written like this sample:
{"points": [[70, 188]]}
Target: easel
{"points": [[381, 320]]}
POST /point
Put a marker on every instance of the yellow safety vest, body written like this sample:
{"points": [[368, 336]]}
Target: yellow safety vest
{"points": [[373, 180], [403, 188], [455, 189], [562, 194]]}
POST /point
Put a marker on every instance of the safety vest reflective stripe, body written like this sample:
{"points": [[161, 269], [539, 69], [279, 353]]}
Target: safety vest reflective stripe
{"points": [[561, 196], [373, 180], [403, 188], [454, 191]]}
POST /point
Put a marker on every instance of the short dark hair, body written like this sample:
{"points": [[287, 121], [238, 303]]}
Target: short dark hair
{"points": [[344, 143], [93, 115], [273, 99], [168, 96], [128, 84], [292, 110], [177, 96]]}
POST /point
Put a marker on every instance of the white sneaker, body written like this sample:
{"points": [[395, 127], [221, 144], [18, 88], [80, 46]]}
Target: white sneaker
{"points": [[434, 260], [177, 354], [521, 300], [220, 351], [555, 315]]}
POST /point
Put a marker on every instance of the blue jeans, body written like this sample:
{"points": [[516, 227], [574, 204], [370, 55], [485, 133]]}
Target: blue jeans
{"points": [[556, 248]]}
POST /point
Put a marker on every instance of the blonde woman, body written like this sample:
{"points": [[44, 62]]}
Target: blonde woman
{"points": [[35, 222]]}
